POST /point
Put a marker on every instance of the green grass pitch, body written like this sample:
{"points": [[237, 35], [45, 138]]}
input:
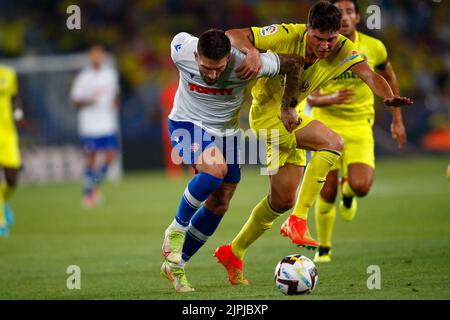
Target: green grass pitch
{"points": [[403, 226]]}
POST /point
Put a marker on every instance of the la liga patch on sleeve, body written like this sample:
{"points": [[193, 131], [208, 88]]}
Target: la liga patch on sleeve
{"points": [[269, 30]]}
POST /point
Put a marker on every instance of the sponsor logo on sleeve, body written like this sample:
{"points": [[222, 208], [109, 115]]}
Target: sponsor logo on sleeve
{"points": [[269, 30]]}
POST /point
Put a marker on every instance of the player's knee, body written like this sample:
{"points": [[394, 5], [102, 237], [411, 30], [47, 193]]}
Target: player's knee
{"points": [[329, 193], [11, 179], [282, 203], [336, 143], [217, 170], [332, 141], [360, 187]]}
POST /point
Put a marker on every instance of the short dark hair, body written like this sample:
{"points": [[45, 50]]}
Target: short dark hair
{"points": [[355, 3], [324, 16], [214, 44]]}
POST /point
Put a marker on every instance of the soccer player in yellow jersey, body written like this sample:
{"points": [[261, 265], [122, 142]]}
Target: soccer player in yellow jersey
{"points": [[9, 149], [346, 104], [325, 55]]}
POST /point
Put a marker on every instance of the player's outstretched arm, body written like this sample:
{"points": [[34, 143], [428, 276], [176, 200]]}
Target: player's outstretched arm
{"points": [[379, 85], [398, 130], [242, 39], [291, 66]]}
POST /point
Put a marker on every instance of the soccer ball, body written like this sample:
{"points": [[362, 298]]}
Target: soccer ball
{"points": [[296, 274]]}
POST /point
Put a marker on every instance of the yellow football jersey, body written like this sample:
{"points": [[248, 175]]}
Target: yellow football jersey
{"points": [[8, 89], [291, 39], [362, 104]]}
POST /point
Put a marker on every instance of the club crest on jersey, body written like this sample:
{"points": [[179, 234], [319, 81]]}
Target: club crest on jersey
{"points": [[305, 86], [269, 30]]}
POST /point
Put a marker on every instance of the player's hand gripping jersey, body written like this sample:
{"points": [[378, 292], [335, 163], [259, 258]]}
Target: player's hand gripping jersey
{"points": [[212, 107]]}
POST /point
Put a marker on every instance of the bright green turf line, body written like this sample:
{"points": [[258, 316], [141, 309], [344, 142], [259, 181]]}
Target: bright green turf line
{"points": [[403, 226]]}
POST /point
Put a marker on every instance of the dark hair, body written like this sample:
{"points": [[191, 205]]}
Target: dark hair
{"points": [[324, 16], [213, 44], [355, 3]]}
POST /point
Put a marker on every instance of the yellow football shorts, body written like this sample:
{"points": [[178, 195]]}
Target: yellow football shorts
{"points": [[281, 144], [359, 145], [9, 151]]}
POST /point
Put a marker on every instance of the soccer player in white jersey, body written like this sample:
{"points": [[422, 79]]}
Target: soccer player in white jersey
{"points": [[95, 95], [204, 130]]}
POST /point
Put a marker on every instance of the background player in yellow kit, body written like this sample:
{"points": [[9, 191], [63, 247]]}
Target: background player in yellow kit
{"points": [[9, 146], [326, 55], [346, 104]]}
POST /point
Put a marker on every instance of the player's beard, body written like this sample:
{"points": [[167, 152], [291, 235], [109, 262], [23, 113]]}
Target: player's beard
{"points": [[207, 80]]}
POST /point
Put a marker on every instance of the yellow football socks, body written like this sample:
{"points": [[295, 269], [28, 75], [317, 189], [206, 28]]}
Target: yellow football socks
{"points": [[325, 215], [314, 179], [261, 219]]}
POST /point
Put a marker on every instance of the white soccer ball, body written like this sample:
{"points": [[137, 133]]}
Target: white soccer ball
{"points": [[296, 274]]}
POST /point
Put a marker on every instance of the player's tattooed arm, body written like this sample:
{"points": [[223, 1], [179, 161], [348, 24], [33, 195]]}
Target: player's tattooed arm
{"points": [[291, 66]]}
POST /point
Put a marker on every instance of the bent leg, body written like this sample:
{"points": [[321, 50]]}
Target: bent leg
{"points": [[328, 146], [283, 187], [212, 168], [360, 178]]}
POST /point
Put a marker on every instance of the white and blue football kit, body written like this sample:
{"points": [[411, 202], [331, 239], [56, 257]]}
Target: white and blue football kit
{"points": [[203, 116], [212, 109], [97, 122]]}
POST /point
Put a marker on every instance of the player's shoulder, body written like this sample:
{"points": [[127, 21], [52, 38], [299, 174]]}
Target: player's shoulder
{"points": [[83, 73], [371, 41], [343, 46], [7, 70], [182, 48], [181, 41], [280, 29]]}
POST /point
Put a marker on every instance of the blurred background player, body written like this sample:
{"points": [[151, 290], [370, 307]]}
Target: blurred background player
{"points": [[346, 105], [204, 129], [172, 161], [95, 94], [326, 54], [9, 146]]}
